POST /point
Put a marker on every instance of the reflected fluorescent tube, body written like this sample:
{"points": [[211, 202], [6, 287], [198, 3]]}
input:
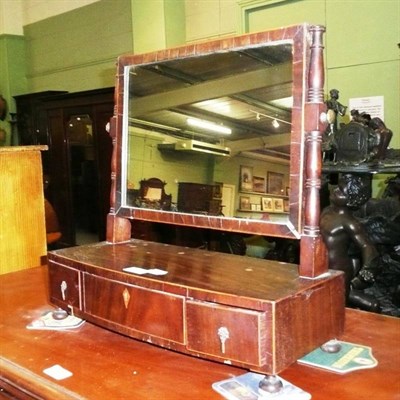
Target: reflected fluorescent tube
{"points": [[199, 123]]}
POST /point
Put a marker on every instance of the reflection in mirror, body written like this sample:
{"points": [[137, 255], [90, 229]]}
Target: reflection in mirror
{"points": [[80, 130], [215, 129], [83, 176]]}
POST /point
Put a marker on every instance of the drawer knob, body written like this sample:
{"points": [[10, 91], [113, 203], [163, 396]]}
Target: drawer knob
{"points": [[63, 288], [223, 334]]}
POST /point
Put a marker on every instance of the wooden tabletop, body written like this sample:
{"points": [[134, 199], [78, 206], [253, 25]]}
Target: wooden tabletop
{"points": [[109, 365]]}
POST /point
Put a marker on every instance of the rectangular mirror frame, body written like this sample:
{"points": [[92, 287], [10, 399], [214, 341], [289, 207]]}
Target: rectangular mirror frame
{"points": [[305, 162]]}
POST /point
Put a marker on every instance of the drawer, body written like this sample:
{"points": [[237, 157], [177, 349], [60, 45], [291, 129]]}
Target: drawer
{"points": [[64, 285], [230, 333], [151, 312]]}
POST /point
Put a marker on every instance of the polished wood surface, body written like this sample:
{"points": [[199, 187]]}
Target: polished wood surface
{"points": [[22, 223], [108, 365], [258, 302]]}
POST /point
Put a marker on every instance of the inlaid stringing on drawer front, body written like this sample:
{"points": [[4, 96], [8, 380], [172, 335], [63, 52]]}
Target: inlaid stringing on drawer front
{"points": [[65, 284], [228, 332], [149, 311]]}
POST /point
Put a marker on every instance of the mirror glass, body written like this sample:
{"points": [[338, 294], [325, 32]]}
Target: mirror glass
{"points": [[214, 131]]}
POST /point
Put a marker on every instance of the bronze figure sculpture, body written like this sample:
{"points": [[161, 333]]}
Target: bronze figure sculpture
{"points": [[346, 238]]}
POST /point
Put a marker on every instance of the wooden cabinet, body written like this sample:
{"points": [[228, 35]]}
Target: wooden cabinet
{"points": [[198, 198], [22, 222], [32, 119], [78, 171], [239, 310]]}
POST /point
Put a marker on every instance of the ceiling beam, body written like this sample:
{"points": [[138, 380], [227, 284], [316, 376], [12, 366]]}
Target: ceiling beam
{"points": [[226, 86], [260, 142]]}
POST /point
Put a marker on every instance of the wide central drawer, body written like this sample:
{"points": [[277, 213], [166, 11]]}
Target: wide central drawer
{"points": [[155, 313]]}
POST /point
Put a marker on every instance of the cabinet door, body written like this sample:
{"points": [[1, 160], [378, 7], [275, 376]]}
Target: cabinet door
{"points": [[155, 313], [64, 285], [230, 333]]}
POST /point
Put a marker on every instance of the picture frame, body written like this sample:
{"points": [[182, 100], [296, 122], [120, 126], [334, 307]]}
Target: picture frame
{"points": [[285, 205], [246, 178], [259, 184], [275, 183], [217, 190], [278, 205], [244, 203], [267, 204]]}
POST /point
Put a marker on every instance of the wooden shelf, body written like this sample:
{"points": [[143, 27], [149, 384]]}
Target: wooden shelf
{"points": [[280, 196], [262, 211]]}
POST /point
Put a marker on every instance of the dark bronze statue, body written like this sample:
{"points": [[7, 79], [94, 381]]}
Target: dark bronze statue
{"points": [[362, 140], [338, 108], [334, 110], [349, 248]]}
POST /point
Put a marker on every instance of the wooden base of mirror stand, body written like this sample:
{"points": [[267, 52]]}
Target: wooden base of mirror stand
{"points": [[253, 313]]}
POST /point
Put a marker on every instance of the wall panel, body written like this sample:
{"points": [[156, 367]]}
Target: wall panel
{"points": [[78, 50]]}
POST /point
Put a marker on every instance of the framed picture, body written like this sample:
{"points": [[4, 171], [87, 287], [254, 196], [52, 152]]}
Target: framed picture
{"points": [[259, 184], [246, 178], [278, 205], [266, 204], [285, 205], [217, 190], [275, 183], [244, 203]]}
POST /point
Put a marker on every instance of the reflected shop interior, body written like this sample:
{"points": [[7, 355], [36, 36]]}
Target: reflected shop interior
{"points": [[210, 135]]}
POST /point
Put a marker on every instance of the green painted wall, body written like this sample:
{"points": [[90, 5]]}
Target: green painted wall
{"points": [[158, 24], [12, 74], [175, 25], [78, 50], [362, 56], [361, 48], [146, 161]]}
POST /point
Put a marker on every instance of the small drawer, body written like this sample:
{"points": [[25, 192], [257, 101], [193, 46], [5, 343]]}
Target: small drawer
{"points": [[230, 333], [151, 312], [64, 285]]}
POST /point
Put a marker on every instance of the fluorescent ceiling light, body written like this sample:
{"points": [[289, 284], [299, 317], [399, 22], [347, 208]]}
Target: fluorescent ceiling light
{"points": [[211, 126], [275, 123], [286, 102]]}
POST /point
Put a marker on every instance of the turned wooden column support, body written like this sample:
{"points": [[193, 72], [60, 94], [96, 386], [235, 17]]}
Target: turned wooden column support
{"points": [[313, 260], [118, 229]]}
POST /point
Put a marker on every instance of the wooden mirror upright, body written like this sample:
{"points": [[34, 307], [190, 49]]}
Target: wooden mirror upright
{"points": [[258, 314], [146, 89]]}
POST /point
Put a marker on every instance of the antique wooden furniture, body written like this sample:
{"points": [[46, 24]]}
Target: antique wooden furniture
{"points": [[22, 222], [173, 78], [106, 364], [78, 170], [152, 191], [198, 198], [253, 313], [268, 313]]}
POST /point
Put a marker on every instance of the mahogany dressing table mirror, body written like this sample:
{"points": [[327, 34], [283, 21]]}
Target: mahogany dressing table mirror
{"points": [[254, 313]]}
